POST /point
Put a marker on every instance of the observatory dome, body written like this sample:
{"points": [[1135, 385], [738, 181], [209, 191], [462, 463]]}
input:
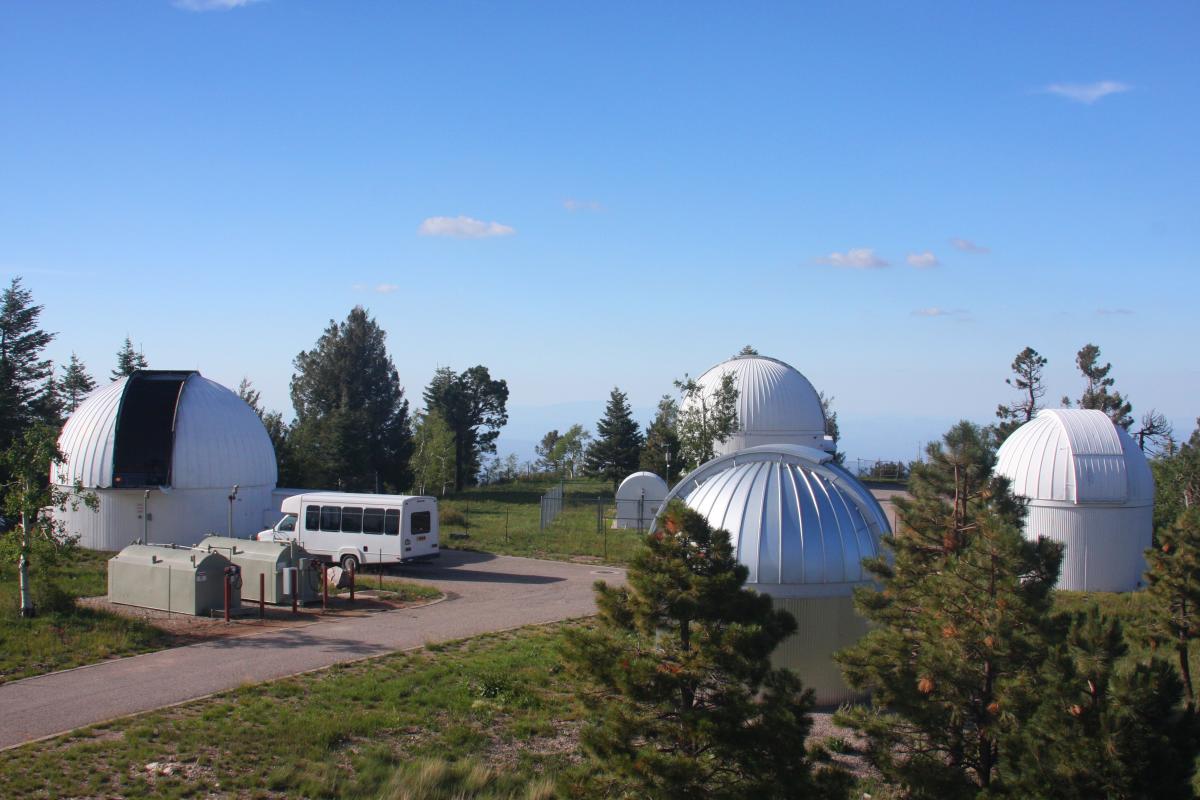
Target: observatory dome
{"points": [[638, 499], [802, 526], [776, 404], [1090, 488], [162, 450], [157, 428]]}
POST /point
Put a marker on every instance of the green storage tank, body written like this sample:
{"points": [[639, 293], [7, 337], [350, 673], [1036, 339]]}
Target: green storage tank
{"points": [[183, 580], [270, 560]]}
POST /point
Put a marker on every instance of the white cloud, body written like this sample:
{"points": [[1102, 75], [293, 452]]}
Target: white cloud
{"points": [[1087, 93], [924, 260], [1114, 312], [571, 204], [856, 258], [211, 5], [935, 311], [967, 246], [463, 228], [382, 288]]}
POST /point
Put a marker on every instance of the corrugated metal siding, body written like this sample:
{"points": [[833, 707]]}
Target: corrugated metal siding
{"points": [[1105, 546], [219, 440], [1075, 456], [182, 516], [792, 518], [87, 439], [776, 403], [825, 625]]}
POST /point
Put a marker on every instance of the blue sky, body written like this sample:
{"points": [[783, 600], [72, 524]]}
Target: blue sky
{"points": [[895, 198]]}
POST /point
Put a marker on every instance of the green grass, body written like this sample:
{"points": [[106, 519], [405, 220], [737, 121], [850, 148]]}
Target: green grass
{"points": [[494, 715], [503, 518], [393, 588], [63, 636]]}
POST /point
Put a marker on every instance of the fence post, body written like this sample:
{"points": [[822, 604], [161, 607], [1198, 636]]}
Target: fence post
{"points": [[506, 525], [381, 570]]}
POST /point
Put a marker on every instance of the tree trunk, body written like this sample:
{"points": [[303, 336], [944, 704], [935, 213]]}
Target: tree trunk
{"points": [[27, 609]]}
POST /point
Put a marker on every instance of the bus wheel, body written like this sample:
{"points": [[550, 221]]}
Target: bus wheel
{"points": [[350, 564]]}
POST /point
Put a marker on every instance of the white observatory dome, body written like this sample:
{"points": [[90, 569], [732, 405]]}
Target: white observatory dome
{"points": [[802, 526], [1089, 488], [638, 499], [183, 437], [776, 404]]}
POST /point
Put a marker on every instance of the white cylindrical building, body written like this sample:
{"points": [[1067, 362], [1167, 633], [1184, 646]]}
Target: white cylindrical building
{"points": [[1089, 488], [802, 525], [638, 499], [184, 439], [776, 404]]}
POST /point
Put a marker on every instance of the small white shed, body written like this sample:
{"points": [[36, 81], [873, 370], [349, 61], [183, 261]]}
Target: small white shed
{"points": [[638, 499], [1089, 488]]}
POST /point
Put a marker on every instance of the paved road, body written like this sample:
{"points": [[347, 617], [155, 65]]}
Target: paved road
{"points": [[485, 593]]}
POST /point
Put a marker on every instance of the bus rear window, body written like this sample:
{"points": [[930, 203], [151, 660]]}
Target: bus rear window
{"points": [[392, 523], [422, 522], [312, 518]]}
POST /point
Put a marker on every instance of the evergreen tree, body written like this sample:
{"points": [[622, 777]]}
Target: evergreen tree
{"points": [[75, 385], [688, 705], [352, 427], [1174, 578], [433, 454], [1027, 379], [831, 426], [661, 453], [1099, 394], [618, 445], [129, 361], [1100, 729], [545, 452], [1176, 480], [705, 419], [962, 623], [25, 376], [474, 405], [747, 350], [290, 473]]}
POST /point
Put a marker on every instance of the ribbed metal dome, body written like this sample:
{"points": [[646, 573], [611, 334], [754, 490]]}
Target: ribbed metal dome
{"points": [[776, 404], [210, 437], [1079, 456], [798, 521]]}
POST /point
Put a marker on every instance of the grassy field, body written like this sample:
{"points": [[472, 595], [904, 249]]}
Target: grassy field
{"points": [[493, 715], [504, 518], [61, 635]]}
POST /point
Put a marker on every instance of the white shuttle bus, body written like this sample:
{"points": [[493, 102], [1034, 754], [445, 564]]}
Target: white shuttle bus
{"points": [[357, 529]]}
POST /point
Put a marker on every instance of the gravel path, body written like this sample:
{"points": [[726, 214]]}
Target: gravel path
{"points": [[483, 593]]}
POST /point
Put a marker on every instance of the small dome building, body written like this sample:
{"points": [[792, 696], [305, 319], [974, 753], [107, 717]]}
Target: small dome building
{"points": [[802, 525], [776, 404], [1089, 488], [172, 444], [638, 499]]}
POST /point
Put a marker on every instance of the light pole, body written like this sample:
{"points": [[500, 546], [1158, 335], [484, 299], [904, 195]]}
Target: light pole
{"points": [[232, 500]]}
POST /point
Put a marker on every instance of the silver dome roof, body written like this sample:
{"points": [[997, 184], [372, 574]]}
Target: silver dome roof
{"points": [[798, 521]]}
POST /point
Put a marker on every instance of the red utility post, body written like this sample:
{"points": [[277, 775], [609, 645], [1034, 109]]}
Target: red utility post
{"points": [[324, 587], [295, 592], [352, 582]]}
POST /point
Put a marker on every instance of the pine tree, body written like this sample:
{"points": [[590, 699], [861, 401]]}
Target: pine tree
{"points": [[475, 406], [75, 385], [545, 452], [1027, 379], [25, 376], [1174, 577], [687, 703], [1099, 394], [618, 445], [1102, 729], [1176, 480], [660, 454], [962, 622], [352, 427], [129, 361]]}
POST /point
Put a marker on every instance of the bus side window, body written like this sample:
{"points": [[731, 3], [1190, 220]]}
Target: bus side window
{"points": [[421, 522], [372, 520], [331, 518], [392, 522], [352, 520], [312, 518]]}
